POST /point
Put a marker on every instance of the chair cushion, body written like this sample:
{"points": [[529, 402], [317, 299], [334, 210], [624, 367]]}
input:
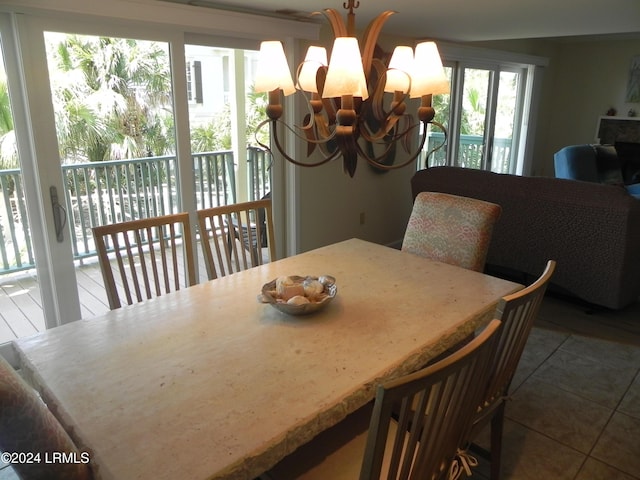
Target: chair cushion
{"points": [[27, 426], [576, 162], [634, 190], [608, 165], [629, 155], [451, 229]]}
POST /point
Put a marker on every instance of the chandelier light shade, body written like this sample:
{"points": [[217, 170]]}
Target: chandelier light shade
{"points": [[273, 70], [398, 77], [356, 102], [345, 75], [428, 74], [316, 58]]}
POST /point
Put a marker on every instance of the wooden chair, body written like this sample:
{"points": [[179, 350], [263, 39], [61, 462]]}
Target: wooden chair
{"points": [[153, 256], [446, 394], [517, 312], [233, 236], [29, 427], [451, 229]]}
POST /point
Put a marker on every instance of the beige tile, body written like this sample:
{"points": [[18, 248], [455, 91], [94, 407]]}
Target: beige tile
{"points": [[630, 404], [614, 353], [619, 444], [528, 455], [601, 381], [616, 325], [563, 416], [540, 346], [595, 470]]}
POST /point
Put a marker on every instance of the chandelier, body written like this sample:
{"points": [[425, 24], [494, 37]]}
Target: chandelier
{"points": [[357, 102]]}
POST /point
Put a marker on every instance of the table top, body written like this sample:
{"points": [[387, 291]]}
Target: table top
{"points": [[208, 383]]}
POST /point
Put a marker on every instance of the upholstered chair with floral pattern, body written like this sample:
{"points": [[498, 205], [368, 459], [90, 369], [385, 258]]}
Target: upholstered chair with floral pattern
{"points": [[29, 431], [451, 229]]}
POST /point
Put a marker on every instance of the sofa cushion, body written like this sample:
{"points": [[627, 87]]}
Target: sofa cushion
{"points": [[592, 230]]}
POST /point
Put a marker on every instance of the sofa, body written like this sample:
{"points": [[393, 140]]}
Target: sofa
{"points": [[591, 229], [617, 164]]}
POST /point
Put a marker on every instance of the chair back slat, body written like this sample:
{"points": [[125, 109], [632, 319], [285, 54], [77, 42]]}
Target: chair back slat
{"points": [[233, 237], [152, 257], [518, 313], [437, 408]]}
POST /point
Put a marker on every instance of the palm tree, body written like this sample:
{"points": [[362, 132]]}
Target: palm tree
{"points": [[112, 97]]}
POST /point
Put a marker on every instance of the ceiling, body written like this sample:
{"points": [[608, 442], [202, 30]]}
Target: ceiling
{"points": [[465, 20]]}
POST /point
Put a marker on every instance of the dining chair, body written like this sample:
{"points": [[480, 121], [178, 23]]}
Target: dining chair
{"points": [[145, 258], [451, 229], [423, 444], [28, 427], [517, 312], [233, 236]]}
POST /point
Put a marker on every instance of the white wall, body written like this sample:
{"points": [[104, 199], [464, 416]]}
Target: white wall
{"points": [[332, 204], [590, 77], [585, 77]]}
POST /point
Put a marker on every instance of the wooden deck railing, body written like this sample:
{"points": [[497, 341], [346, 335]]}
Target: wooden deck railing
{"points": [[98, 193], [470, 152]]}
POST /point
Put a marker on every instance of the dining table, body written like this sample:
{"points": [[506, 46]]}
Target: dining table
{"points": [[210, 383]]}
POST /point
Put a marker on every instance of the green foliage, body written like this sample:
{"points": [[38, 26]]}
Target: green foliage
{"points": [[8, 152], [112, 100], [112, 97], [216, 135], [256, 113]]}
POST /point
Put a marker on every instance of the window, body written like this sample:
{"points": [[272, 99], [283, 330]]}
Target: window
{"points": [[194, 81], [483, 115]]}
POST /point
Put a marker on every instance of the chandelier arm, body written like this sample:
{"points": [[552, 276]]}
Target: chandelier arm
{"points": [[444, 139], [379, 134], [392, 124], [335, 20], [282, 151], [376, 104], [304, 128], [375, 163], [371, 38]]}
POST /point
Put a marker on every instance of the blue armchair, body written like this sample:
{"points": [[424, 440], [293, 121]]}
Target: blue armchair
{"points": [[599, 164]]}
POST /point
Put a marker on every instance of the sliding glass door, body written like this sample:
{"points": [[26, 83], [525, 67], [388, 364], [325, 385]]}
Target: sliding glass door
{"points": [[482, 114], [229, 166], [91, 141], [115, 124], [20, 299]]}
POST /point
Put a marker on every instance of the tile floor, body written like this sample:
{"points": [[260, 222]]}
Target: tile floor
{"points": [[575, 411]]}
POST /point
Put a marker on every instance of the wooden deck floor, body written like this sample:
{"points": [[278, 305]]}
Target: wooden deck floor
{"points": [[21, 306]]}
